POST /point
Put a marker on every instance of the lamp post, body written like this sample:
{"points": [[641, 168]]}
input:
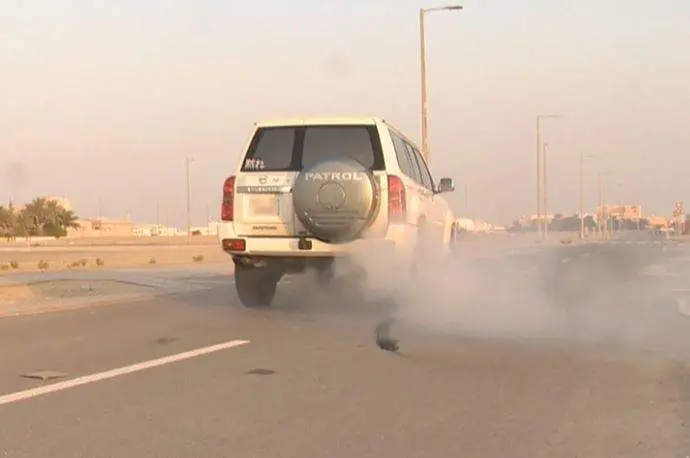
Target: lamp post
{"points": [[422, 57], [539, 170]]}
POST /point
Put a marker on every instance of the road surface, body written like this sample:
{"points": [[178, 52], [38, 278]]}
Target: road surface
{"points": [[310, 383]]}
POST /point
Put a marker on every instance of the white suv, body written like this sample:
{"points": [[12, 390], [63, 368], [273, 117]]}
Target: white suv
{"points": [[310, 191]]}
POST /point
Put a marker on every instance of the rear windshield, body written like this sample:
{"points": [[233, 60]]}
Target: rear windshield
{"points": [[299, 147]]}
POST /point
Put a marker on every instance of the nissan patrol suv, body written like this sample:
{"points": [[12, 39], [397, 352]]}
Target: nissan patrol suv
{"points": [[310, 191]]}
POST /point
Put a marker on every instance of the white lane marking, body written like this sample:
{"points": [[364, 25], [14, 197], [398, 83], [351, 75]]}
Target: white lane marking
{"points": [[97, 377]]}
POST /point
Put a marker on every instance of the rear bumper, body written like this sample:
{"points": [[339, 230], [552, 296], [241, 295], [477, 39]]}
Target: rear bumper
{"points": [[399, 240]]}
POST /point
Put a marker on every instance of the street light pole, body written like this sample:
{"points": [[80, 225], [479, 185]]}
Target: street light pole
{"points": [[539, 171], [422, 68]]}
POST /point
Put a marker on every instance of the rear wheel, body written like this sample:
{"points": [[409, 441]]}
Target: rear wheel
{"points": [[256, 286]]}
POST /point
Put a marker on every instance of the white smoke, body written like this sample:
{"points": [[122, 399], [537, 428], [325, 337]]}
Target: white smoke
{"points": [[594, 294]]}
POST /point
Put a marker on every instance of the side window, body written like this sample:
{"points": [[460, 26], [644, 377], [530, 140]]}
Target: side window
{"points": [[270, 150], [427, 181], [406, 163]]}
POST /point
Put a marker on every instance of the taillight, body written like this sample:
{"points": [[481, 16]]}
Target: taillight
{"points": [[397, 206], [227, 207], [234, 244]]}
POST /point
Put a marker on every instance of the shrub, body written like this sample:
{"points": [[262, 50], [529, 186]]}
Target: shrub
{"points": [[43, 264], [198, 258], [100, 262], [14, 265]]}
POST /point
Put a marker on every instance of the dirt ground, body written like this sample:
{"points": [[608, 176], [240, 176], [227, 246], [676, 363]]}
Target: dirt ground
{"points": [[59, 257], [67, 289], [109, 241]]}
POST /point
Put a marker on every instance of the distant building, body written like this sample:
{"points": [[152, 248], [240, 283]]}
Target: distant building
{"points": [[628, 212], [101, 227]]}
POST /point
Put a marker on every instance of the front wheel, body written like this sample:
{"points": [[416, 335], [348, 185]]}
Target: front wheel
{"points": [[256, 286]]}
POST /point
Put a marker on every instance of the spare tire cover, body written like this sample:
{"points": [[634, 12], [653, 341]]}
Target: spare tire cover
{"points": [[336, 199]]}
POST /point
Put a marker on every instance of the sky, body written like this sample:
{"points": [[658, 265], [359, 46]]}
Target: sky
{"points": [[102, 101]]}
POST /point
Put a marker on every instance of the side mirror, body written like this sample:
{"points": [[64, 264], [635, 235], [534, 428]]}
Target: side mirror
{"points": [[445, 185]]}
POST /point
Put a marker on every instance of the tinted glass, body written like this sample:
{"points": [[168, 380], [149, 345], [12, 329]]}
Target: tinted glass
{"points": [[360, 143], [408, 167], [427, 182], [271, 149]]}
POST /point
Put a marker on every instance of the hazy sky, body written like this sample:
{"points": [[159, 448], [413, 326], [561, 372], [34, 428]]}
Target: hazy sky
{"points": [[105, 99]]}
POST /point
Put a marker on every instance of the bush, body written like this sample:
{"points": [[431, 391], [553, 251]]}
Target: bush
{"points": [[14, 265], [100, 262], [4, 266], [43, 264], [198, 258], [152, 261]]}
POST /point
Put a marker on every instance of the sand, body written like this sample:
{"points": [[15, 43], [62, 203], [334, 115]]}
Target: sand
{"points": [[114, 253]]}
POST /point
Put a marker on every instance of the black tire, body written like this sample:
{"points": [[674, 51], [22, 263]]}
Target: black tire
{"points": [[256, 286]]}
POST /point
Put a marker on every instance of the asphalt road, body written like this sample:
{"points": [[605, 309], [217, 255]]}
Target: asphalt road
{"points": [[310, 382]]}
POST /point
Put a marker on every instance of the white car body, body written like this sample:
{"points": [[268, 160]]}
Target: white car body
{"points": [[260, 224]]}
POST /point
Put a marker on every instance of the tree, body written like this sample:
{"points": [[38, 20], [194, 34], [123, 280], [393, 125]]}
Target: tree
{"points": [[43, 217], [61, 220], [8, 222]]}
